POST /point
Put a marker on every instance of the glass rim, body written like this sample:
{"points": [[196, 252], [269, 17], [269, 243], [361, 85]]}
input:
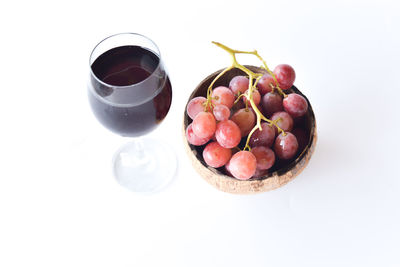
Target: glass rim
{"points": [[134, 84]]}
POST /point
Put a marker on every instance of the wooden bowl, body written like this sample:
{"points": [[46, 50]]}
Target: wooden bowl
{"points": [[278, 176]]}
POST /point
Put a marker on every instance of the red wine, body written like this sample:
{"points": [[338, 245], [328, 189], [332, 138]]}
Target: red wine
{"points": [[131, 91]]}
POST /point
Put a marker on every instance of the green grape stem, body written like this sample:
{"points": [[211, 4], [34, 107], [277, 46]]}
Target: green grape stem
{"points": [[252, 86]]}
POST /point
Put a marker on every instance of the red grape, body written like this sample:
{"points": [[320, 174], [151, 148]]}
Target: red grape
{"points": [[194, 139], [204, 125], [215, 155], [264, 84], [265, 157], [265, 137], [256, 98], [224, 96], [285, 76], [245, 119], [285, 123], [221, 112], [286, 146], [271, 103], [295, 105], [239, 84], [243, 165], [228, 134], [195, 106]]}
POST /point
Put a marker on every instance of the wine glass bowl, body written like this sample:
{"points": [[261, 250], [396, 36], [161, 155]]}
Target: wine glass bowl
{"points": [[129, 90], [280, 174]]}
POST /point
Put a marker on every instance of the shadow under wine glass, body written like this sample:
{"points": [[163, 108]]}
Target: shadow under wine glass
{"points": [[130, 94]]}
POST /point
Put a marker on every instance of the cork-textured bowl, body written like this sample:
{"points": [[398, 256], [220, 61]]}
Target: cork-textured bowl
{"points": [[276, 178]]}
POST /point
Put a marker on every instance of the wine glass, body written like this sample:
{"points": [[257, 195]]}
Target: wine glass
{"points": [[130, 94]]}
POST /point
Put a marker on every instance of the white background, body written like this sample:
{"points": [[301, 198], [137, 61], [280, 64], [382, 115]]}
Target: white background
{"points": [[60, 205]]}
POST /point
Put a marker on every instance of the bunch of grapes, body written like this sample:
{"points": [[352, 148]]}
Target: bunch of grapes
{"points": [[230, 114]]}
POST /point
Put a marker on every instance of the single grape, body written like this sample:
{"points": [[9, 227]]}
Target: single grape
{"points": [[285, 123], [194, 139], [195, 106], [245, 119], [271, 103], [265, 157], [204, 125], [223, 96], [228, 134], [239, 84], [221, 112], [243, 165], [295, 104], [215, 155], [302, 138], [286, 146], [265, 137], [256, 98], [264, 84], [285, 76]]}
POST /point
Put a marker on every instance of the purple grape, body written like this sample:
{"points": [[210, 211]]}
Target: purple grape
{"points": [[263, 138], [285, 75], [286, 146], [265, 157], [271, 103]]}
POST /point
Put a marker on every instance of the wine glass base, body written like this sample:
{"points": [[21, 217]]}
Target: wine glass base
{"points": [[144, 165]]}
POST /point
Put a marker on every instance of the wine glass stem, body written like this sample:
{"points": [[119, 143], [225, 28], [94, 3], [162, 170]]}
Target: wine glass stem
{"points": [[140, 155]]}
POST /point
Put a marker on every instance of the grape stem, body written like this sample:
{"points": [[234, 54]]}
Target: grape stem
{"points": [[252, 86], [208, 104]]}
